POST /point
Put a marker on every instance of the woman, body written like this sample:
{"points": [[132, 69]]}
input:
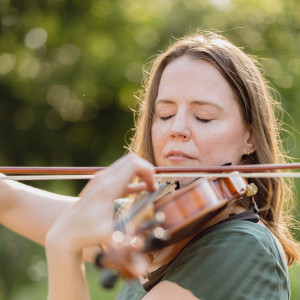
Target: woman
{"points": [[204, 103]]}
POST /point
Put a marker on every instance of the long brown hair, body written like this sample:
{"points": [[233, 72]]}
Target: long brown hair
{"points": [[258, 107]]}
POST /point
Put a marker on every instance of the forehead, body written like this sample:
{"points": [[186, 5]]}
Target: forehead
{"points": [[194, 79]]}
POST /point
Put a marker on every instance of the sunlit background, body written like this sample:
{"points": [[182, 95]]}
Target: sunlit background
{"points": [[69, 70]]}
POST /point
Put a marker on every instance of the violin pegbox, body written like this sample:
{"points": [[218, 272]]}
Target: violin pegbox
{"points": [[249, 190]]}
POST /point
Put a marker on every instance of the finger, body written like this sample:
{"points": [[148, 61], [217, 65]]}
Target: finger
{"points": [[130, 166], [113, 182], [135, 188]]}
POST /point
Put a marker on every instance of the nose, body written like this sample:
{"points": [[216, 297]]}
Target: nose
{"points": [[180, 128]]}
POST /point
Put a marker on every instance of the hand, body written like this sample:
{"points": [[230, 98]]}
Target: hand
{"points": [[90, 220]]}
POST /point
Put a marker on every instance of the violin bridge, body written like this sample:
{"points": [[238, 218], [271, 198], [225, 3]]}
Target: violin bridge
{"points": [[168, 189]]}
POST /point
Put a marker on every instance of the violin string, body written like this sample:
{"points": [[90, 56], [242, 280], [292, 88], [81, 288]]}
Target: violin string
{"points": [[148, 198], [225, 175], [177, 175]]}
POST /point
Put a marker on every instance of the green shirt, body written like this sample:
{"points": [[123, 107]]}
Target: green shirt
{"points": [[238, 260]]}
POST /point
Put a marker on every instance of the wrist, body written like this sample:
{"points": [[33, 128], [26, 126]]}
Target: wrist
{"points": [[66, 273], [58, 241], [8, 195]]}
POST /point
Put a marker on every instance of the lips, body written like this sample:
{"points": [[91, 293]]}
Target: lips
{"points": [[178, 155]]}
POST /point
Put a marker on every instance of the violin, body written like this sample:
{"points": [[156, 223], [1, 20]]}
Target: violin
{"points": [[165, 217], [162, 218]]}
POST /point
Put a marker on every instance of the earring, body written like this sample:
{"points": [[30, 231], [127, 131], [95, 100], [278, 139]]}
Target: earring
{"points": [[250, 152]]}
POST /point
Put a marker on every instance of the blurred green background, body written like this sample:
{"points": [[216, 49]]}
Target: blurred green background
{"points": [[68, 73]]}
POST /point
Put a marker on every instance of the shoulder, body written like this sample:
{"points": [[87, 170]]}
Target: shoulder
{"points": [[236, 258], [233, 238], [238, 235], [131, 290]]}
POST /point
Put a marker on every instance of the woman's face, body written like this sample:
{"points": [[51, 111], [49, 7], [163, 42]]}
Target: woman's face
{"points": [[197, 121]]}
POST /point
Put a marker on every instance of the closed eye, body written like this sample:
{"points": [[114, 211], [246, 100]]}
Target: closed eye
{"points": [[202, 120], [166, 118]]}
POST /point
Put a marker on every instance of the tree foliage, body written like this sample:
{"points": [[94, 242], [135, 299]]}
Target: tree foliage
{"points": [[69, 70]]}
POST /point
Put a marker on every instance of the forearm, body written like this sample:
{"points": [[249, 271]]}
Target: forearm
{"points": [[30, 211], [66, 276]]}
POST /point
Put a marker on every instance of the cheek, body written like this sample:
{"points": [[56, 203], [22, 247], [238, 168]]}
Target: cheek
{"points": [[220, 141], [160, 131], [157, 138]]}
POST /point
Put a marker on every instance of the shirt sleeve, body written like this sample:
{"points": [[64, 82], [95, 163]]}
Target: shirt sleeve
{"points": [[232, 262]]}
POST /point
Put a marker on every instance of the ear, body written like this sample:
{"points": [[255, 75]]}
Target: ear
{"points": [[249, 142]]}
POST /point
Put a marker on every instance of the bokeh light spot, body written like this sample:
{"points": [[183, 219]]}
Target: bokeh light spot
{"points": [[254, 39], [71, 110], [126, 96], [221, 4], [147, 37], [101, 46], [7, 63], [66, 104], [10, 21], [294, 65], [57, 94], [12, 249], [271, 67], [133, 72], [34, 69], [37, 269], [67, 55], [284, 80], [36, 38]]}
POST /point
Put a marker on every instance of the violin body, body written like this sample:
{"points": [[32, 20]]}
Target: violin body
{"points": [[187, 209], [157, 222]]}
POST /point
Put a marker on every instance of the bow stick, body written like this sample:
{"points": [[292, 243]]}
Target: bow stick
{"points": [[60, 173]]}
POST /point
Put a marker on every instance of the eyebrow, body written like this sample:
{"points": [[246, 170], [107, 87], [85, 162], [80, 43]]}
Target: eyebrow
{"points": [[197, 102]]}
